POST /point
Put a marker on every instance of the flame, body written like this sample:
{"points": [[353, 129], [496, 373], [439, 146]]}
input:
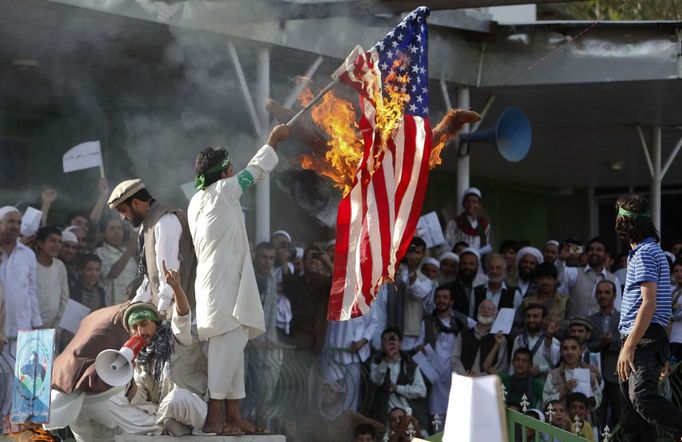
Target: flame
{"points": [[337, 118], [33, 434]]}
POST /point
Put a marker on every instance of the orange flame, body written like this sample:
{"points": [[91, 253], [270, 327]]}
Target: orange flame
{"points": [[33, 434], [337, 118]]}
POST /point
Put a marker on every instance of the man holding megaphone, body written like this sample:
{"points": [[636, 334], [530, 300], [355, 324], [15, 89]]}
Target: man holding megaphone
{"points": [[156, 399]]}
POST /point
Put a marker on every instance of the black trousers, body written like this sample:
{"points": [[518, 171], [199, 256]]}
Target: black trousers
{"points": [[642, 408]]}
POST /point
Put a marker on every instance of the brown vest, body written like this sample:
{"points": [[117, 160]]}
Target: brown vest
{"points": [[74, 368], [188, 259]]}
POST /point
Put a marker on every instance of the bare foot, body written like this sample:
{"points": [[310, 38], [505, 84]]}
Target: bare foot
{"points": [[243, 425], [213, 427]]}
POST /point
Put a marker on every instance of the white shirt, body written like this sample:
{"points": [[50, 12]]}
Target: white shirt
{"points": [[53, 292], [495, 297], [545, 358], [116, 288], [570, 276], [341, 334], [167, 232], [399, 397], [225, 287], [18, 276]]}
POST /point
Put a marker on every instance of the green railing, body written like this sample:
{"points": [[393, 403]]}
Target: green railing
{"points": [[516, 420], [540, 428]]}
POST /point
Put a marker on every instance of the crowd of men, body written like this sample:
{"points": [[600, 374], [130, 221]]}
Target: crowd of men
{"points": [[382, 376]]}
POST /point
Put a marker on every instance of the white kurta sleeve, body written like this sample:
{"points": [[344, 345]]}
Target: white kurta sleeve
{"points": [[167, 231], [63, 293], [182, 328], [259, 167], [415, 390], [36, 320]]}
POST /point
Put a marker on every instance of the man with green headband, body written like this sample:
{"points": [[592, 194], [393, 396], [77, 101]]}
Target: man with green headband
{"points": [[645, 316], [229, 309], [165, 394]]}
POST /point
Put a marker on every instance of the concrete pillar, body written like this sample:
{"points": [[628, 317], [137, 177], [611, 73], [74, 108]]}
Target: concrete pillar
{"points": [[261, 94], [656, 178], [463, 162]]}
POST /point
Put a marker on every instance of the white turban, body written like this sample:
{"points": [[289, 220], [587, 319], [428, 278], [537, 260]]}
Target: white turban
{"points": [[432, 261], [69, 236], [473, 251], [281, 232], [472, 191], [449, 255], [7, 210], [529, 251], [553, 242]]}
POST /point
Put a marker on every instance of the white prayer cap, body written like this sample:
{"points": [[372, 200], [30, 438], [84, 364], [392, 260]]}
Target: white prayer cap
{"points": [[281, 232], [299, 252], [432, 261], [472, 191], [68, 236], [473, 251], [449, 255], [541, 415], [7, 210], [553, 242], [529, 251]]}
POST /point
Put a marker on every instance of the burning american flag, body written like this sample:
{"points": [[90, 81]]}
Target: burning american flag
{"points": [[378, 216]]}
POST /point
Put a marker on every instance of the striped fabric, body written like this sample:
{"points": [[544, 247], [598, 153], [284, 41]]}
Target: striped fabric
{"points": [[378, 217], [646, 263]]}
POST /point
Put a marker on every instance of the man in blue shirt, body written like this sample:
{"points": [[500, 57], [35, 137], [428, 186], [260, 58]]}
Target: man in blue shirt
{"points": [[645, 314]]}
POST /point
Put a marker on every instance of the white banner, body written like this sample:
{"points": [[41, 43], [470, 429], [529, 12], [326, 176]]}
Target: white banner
{"points": [[83, 156]]}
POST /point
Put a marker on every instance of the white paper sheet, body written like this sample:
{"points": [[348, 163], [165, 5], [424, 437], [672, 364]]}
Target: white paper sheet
{"points": [[429, 229], [73, 315], [425, 366], [30, 222], [83, 156], [475, 411], [582, 377], [504, 321]]}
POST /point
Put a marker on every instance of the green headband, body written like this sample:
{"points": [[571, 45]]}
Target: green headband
{"points": [[140, 315], [200, 181], [625, 212]]}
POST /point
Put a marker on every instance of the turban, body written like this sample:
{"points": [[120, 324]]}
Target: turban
{"points": [[449, 255], [7, 210], [432, 261], [472, 251], [281, 232], [529, 251]]}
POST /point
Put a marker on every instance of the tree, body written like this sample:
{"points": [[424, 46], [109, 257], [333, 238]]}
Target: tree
{"points": [[621, 10]]}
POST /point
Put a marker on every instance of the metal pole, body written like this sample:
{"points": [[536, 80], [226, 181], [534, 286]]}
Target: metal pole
{"points": [[245, 89], [462, 162], [291, 99], [263, 188], [312, 103], [656, 176]]}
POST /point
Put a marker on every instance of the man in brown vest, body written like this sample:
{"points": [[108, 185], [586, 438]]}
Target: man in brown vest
{"points": [[164, 236]]}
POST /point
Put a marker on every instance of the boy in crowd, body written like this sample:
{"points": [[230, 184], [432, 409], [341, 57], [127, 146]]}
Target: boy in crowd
{"points": [[522, 382], [87, 289], [578, 409]]}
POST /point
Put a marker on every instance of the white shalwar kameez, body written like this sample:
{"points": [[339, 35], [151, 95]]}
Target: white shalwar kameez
{"points": [[100, 417], [339, 363], [440, 390], [229, 309]]}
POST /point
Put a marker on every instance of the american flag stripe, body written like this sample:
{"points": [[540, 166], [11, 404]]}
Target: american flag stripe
{"points": [[377, 218]]}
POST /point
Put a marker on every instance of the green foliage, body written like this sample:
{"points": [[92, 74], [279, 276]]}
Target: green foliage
{"points": [[621, 10]]}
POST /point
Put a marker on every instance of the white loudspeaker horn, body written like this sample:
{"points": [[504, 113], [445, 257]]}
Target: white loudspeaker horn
{"points": [[115, 367]]}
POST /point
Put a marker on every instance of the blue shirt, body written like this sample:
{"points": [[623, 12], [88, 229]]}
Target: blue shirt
{"points": [[646, 263]]}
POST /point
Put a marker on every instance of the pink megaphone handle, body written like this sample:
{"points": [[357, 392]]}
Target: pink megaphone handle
{"points": [[135, 344]]}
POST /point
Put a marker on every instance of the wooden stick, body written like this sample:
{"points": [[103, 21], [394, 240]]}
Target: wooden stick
{"points": [[314, 101]]}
